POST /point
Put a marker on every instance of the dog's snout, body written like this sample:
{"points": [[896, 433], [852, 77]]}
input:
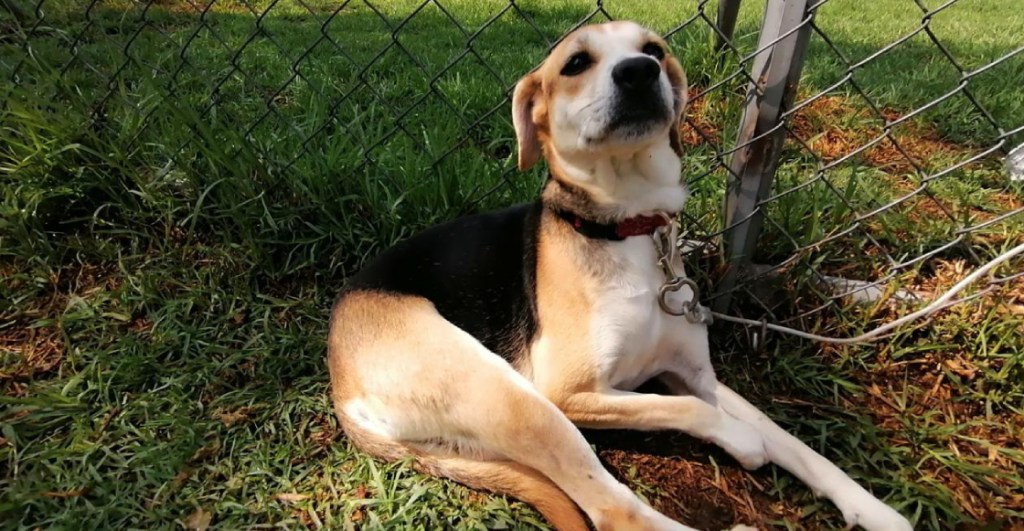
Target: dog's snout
{"points": [[636, 73]]}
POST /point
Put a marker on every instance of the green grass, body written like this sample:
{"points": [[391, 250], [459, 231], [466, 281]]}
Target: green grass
{"points": [[167, 266]]}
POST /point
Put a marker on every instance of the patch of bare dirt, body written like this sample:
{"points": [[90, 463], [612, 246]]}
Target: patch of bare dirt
{"points": [[675, 474]]}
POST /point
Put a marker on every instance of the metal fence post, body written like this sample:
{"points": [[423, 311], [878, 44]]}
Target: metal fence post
{"points": [[785, 31], [728, 10]]}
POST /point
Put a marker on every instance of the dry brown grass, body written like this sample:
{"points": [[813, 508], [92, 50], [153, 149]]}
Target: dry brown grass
{"points": [[929, 388], [836, 126], [697, 127], [28, 353], [32, 341]]}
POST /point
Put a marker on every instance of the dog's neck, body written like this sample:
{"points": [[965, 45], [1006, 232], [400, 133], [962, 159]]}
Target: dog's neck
{"points": [[611, 187]]}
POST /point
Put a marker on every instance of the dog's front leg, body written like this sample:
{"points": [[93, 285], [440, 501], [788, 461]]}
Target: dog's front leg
{"points": [[614, 409], [858, 506]]}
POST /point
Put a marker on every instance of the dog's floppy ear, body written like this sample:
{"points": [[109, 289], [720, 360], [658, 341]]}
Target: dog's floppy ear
{"points": [[677, 78], [523, 101]]}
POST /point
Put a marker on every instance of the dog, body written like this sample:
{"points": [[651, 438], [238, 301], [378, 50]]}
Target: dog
{"points": [[478, 347]]}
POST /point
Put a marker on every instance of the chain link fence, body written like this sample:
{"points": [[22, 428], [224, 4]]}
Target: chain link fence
{"points": [[847, 240], [818, 171]]}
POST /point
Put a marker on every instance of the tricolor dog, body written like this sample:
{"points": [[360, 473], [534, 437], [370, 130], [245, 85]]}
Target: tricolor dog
{"points": [[479, 346]]}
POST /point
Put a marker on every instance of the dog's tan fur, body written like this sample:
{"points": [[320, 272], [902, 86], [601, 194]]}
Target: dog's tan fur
{"points": [[377, 341], [406, 382], [562, 304]]}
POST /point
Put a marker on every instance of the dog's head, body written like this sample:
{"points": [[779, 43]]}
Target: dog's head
{"points": [[610, 87]]}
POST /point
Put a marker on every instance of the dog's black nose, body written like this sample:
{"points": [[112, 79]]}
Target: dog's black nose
{"points": [[636, 73]]}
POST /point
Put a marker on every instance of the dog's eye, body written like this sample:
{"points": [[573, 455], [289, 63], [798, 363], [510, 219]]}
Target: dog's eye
{"points": [[653, 50], [577, 64]]}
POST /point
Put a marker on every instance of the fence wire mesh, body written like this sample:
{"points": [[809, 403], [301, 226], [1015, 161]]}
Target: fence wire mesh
{"points": [[341, 126], [870, 195]]}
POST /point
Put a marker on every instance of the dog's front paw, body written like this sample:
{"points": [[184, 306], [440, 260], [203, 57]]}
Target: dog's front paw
{"points": [[864, 510], [742, 441], [743, 527]]}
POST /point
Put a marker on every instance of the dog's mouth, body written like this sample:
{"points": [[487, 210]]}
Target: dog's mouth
{"points": [[636, 116]]}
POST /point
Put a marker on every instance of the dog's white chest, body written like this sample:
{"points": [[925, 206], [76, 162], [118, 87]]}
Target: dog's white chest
{"points": [[633, 337]]}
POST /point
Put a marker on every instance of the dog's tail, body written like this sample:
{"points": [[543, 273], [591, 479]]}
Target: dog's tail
{"points": [[502, 477]]}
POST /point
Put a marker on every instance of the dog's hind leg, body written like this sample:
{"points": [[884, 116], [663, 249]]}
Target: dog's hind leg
{"points": [[858, 506], [503, 477], [406, 382], [693, 374]]}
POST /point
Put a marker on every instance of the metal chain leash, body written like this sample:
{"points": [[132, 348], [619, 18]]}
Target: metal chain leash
{"points": [[695, 312], [668, 254]]}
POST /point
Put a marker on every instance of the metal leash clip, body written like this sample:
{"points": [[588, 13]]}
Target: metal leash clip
{"points": [[692, 310]]}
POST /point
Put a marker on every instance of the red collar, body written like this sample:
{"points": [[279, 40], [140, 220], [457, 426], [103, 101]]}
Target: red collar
{"points": [[634, 226]]}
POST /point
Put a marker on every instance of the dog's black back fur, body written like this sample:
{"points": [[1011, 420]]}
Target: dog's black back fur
{"points": [[479, 271]]}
